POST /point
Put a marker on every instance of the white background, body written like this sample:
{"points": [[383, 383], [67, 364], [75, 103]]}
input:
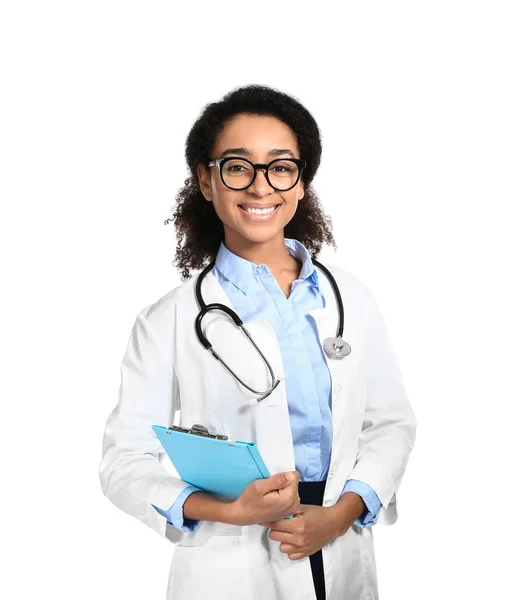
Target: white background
{"points": [[416, 104]]}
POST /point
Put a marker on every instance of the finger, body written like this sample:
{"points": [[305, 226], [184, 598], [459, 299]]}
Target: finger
{"points": [[284, 525], [289, 548], [282, 536], [297, 556], [276, 482]]}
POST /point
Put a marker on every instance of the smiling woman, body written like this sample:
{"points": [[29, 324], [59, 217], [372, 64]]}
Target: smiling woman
{"points": [[257, 149], [335, 434], [252, 199]]}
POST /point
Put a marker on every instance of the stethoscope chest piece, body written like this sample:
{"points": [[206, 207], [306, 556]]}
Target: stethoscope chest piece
{"points": [[336, 347]]}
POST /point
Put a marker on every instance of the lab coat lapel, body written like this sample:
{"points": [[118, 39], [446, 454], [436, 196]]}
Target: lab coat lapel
{"points": [[343, 371]]}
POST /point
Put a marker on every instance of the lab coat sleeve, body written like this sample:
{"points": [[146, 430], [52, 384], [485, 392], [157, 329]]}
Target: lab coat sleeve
{"points": [[175, 515], [373, 504], [131, 471], [389, 425]]}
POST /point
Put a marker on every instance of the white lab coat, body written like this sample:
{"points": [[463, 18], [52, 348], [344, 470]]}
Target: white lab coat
{"points": [[166, 369]]}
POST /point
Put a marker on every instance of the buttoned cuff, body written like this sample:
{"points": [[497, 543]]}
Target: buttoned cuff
{"points": [[174, 514], [373, 504]]}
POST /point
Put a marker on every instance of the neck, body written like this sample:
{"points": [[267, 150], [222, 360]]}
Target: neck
{"points": [[272, 253]]}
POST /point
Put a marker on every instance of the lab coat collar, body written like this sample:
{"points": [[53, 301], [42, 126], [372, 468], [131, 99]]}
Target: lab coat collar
{"points": [[241, 272]]}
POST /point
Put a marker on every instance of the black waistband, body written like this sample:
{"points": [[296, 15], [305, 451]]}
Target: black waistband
{"points": [[311, 492]]}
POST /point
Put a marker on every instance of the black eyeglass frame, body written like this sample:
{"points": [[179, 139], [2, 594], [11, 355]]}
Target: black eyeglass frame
{"points": [[219, 162]]}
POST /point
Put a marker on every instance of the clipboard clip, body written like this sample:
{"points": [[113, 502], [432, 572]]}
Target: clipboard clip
{"points": [[201, 430]]}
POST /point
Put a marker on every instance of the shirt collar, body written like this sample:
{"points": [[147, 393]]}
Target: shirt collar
{"points": [[241, 272]]}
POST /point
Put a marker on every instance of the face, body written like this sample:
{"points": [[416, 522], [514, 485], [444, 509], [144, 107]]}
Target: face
{"points": [[257, 138]]}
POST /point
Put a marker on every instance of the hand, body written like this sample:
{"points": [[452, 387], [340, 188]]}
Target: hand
{"points": [[309, 530], [267, 499]]}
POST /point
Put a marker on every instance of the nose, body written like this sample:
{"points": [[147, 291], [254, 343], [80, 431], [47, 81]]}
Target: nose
{"points": [[261, 186]]}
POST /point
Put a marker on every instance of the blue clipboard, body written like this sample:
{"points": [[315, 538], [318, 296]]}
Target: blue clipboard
{"points": [[212, 462]]}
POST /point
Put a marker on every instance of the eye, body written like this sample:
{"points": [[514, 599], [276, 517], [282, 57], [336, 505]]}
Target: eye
{"points": [[236, 167], [282, 168]]}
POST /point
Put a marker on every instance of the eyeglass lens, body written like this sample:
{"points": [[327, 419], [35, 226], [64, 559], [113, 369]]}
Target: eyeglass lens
{"points": [[238, 174]]}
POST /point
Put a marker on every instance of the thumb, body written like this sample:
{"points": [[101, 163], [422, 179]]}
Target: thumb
{"points": [[278, 481]]}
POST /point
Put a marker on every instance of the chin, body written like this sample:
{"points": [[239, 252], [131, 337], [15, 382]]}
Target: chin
{"points": [[260, 237]]}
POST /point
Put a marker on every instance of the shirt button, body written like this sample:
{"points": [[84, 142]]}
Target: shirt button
{"points": [[337, 390], [326, 547]]}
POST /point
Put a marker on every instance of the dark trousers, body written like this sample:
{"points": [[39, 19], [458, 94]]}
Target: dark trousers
{"points": [[311, 492]]}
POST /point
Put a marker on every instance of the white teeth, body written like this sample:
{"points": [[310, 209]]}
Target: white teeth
{"points": [[261, 211]]}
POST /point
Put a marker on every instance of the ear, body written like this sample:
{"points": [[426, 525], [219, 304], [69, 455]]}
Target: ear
{"points": [[301, 191], [203, 175]]}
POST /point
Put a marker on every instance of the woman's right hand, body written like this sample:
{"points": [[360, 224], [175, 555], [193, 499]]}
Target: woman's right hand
{"points": [[267, 499]]}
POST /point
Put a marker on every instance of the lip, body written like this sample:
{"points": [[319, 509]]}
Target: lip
{"points": [[255, 205], [255, 217]]}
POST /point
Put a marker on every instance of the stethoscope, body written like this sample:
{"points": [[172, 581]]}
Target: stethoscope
{"points": [[334, 347]]}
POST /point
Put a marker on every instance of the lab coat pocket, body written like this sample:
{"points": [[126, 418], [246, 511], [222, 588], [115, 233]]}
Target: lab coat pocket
{"points": [[218, 569], [350, 561]]}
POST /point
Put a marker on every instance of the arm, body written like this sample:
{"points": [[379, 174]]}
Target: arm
{"points": [[389, 424], [175, 515], [358, 505], [371, 502], [131, 473], [209, 508]]}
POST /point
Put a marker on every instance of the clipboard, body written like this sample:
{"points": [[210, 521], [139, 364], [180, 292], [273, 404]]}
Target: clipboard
{"points": [[211, 462]]}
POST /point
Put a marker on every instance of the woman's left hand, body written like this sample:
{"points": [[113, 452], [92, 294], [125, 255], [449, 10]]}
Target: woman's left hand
{"points": [[305, 533]]}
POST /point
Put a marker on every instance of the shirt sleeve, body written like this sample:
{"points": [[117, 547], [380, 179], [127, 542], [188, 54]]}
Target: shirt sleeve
{"points": [[373, 504], [174, 514]]}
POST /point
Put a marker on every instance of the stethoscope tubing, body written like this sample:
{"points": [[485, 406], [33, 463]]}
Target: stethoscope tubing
{"points": [[205, 308]]}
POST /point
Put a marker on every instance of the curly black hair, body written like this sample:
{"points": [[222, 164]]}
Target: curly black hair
{"points": [[199, 230]]}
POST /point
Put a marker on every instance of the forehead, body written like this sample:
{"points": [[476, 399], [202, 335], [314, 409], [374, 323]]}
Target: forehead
{"points": [[259, 133]]}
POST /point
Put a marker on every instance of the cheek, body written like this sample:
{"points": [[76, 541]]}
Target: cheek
{"points": [[223, 206], [291, 205]]}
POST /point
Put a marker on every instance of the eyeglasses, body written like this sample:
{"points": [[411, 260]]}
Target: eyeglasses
{"points": [[237, 173]]}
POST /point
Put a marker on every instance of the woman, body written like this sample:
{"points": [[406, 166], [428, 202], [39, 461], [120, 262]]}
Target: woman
{"points": [[343, 427]]}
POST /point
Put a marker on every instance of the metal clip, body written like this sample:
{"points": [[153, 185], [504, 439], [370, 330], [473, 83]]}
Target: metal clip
{"points": [[201, 430]]}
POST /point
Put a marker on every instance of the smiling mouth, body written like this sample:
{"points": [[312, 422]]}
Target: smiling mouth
{"points": [[259, 211]]}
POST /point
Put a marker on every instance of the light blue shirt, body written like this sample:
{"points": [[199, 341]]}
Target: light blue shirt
{"points": [[256, 295]]}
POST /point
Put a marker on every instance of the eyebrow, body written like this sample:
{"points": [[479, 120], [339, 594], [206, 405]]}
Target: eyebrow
{"points": [[246, 152]]}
